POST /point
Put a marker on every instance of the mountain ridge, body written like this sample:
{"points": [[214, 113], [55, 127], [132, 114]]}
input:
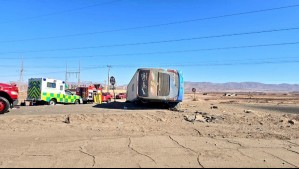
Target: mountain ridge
{"points": [[241, 87]]}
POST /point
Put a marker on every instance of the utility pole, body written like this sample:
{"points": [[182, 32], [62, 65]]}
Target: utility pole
{"points": [[79, 80], [77, 73], [66, 75], [109, 67], [21, 75]]}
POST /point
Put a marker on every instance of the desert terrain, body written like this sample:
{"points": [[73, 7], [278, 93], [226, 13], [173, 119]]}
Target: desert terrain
{"points": [[248, 130]]}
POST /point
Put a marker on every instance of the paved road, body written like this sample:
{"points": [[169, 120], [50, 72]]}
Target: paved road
{"points": [[122, 135], [148, 151]]}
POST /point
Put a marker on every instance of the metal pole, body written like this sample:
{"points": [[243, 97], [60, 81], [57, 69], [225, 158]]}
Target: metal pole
{"points": [[21, 76], [66, 75], [109, 67], [114, 93], [79, 80]]}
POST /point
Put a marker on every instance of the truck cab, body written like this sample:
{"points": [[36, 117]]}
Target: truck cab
{"points": [[8, 97]]}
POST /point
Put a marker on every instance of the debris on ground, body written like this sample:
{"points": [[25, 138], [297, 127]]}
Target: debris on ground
{"points": [[190, 118], [202, 117], [67, 120], [296, 118], [214, 107], [248, 111], [177, 110], [201, 113], [292, 122]]}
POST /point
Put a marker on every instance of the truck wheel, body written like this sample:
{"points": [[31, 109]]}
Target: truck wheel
{"points": [[52, 102], [4, 105], [77, 102]]}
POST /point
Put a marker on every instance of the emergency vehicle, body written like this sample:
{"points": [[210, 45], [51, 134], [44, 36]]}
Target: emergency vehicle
{"points": [[50, 91], [93, 94]]}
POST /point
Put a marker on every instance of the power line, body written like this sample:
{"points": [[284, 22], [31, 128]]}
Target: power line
{"points": [[150, 26], [161, 52], [91, 67], [158, 42], [60, 12], [166, 52], [211, 64]]}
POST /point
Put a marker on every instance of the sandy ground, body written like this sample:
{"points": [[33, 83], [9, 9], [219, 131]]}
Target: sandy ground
{"points": [[123, 135]]}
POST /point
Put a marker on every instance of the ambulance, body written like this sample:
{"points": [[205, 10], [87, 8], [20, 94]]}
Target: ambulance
{"points": [[50, 91]]}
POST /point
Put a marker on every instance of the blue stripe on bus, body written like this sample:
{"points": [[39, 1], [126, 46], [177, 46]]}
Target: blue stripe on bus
{"points": [[181, 89]]}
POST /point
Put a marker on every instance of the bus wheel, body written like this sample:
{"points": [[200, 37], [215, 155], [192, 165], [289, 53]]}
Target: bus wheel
{"points": [[52, 102]]}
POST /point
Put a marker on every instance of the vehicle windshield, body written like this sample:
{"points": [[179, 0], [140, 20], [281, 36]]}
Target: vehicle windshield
{"points": [[67, 92]]}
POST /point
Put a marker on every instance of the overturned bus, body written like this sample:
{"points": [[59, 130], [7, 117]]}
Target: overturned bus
{"points": [[156, 86]]}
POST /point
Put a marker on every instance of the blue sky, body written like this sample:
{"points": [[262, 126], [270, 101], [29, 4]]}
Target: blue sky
{"points": [[21, 20]]}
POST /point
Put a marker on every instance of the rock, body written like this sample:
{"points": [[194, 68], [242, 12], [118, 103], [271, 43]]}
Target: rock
{"points": [[281, 121], [214, 107], [292, 122], [177, 110], [200, 119], [187, 111], [201, 113], [67, 120], [190, 118], [296, 118], [248, 111]]}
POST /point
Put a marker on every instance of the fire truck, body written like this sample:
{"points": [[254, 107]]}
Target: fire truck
{"points": [[8, 97], [93, 93]]}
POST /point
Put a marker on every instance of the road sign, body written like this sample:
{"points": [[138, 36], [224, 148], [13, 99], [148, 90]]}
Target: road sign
{"points": [[112, 80]]}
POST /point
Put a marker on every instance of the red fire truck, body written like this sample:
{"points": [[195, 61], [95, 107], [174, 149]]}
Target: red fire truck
{"points": [[88, 94], [8, 97]]}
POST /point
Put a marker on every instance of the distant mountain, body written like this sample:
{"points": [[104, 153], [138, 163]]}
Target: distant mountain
{"points": [[223, 87], [240, 87]]}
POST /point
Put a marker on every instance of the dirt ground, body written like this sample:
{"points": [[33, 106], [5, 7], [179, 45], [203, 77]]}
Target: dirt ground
{"points": [[214, 131]]}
